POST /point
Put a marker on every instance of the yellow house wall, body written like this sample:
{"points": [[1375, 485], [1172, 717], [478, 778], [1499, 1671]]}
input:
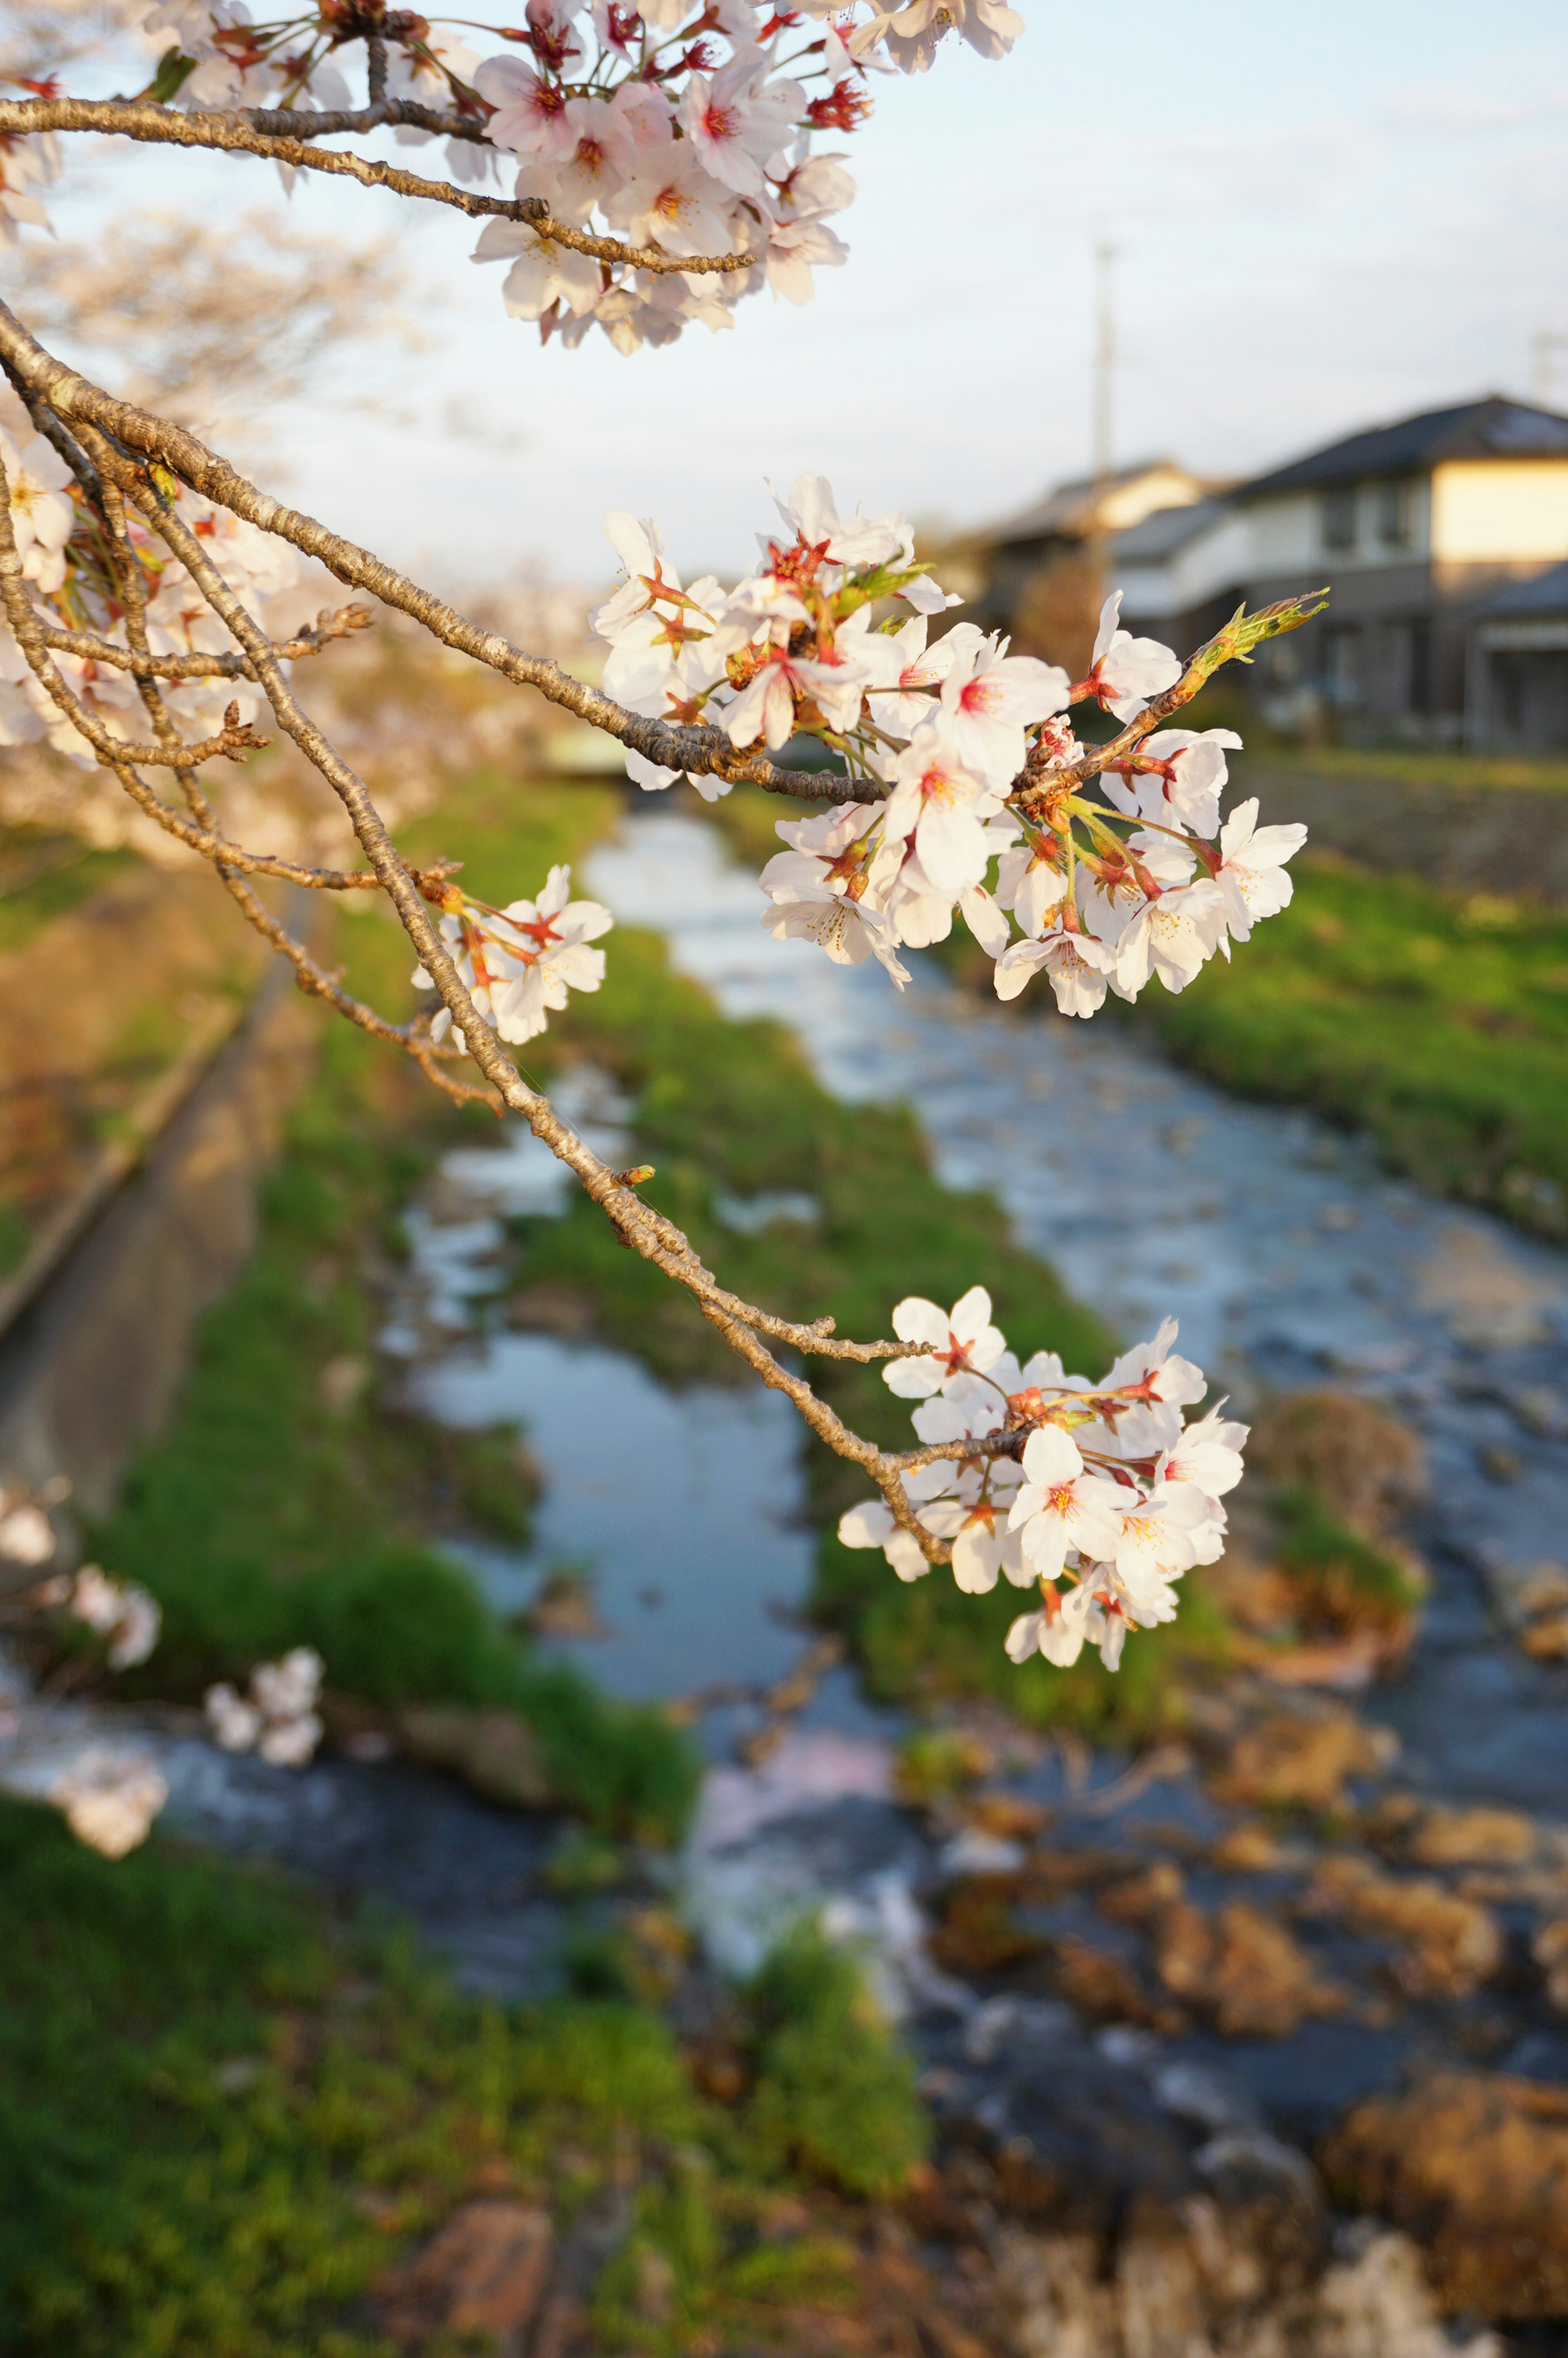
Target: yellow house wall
{"points": [[1494, 511]]}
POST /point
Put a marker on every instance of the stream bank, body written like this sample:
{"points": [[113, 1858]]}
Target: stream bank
{"points": [[1137, 1994]]}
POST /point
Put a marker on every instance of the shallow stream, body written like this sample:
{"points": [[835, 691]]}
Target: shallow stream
{"points": [[1289, 1255]]}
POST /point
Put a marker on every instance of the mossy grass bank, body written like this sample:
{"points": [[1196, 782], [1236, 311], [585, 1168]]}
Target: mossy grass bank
{"points": [[1438, 1020], [282, 1505], [226, 2117]]}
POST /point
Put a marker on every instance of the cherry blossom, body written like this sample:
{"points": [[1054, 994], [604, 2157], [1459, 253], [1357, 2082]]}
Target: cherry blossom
{"points": [[42, 514], [848, 932], [123, 1612], [1032, 882], [519, 963], [912, 32], [873, 1526], [531, 113], [1061, 1505], [1251, 872], [27, 1535], [1125, 671], [991, 699], [1077, 967], [110, 1797], [279, 1719], [1171, 936], [737, 122], [961, 1340], [941, 804]]}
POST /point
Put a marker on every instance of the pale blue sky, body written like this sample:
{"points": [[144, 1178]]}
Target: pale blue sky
{"points": [[1324, 219]]}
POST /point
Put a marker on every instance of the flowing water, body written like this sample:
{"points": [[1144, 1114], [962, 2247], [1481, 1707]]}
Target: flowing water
{"points": [[1289, 1255]]}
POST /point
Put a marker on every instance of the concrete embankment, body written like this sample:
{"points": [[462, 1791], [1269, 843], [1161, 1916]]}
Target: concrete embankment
{"points": [[89, 1366], [1469, 838]]}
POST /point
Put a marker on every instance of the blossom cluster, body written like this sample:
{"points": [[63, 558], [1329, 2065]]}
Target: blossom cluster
{"points": [[123, 1612], [27, 1534], [110, 1797], [689, 129], [1111, 1496], [65, 559], [279, 1719], [963, 749], [518, 962]]}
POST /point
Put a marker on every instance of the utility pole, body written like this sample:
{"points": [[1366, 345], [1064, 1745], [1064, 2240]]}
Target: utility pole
{"points": [[1544, 344], [1104, 391]]}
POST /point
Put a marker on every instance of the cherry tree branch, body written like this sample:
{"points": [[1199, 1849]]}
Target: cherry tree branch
{"points": [[701, 751], [91, 648], [250, 132]]}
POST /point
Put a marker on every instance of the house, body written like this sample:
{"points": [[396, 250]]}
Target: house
{"points": [[1062, 526], [1515, 686], [1411, 527], [1424, 532]]}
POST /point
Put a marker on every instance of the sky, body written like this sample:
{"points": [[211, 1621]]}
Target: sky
{"points": [[1322, 218]]}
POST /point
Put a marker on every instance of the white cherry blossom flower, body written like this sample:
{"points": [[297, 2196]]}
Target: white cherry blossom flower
{"points": [[541, 274], [1125, 672], [671, 201], [991, 699], [960, 1341], [1077, 967], [234, 1724], [1186, 792], [1171, 937], [795, 249], [872, 1525], [110, 1799], [912, 32], [531, 116], [766, 708], [551, 936], [737, 121], [1061, 1506], [27, 1534], [1170, 1383], [849, 931], [985, 1544], [1059, 1628], [1033, 883], [122, 1611], [1155, 1542], [943, 805], [812, 511], [1207, 1455], [1251, 872], [604, 156], [41, 511]]}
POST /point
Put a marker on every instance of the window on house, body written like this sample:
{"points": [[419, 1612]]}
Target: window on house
{"points": [[1339, 518], [1342, 665], [1395, 505]]}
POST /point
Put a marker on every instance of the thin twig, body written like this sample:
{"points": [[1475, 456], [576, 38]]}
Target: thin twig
{"points": [[242, 133]]}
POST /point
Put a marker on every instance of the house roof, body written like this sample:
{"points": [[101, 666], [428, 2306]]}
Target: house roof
{"points": [[1495, 427], [1069, 508], [1161, 533], [1546, 595]]}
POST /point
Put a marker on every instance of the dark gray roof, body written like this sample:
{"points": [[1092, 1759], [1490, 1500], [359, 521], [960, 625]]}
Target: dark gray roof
{"points": [[1496, 428], [1163, 533], [1546, 595]]}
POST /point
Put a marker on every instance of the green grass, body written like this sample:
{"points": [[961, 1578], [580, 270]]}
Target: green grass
{"points": [[223, 2115], [48, 880], [1440, 1023], [1413, 765], [263, 1517]]}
